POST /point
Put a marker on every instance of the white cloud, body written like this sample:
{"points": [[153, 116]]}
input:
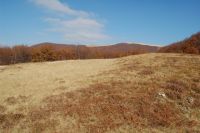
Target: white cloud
{"points": [[56, 5], [82, 27], [84, 37], [77, 24], [79, 29]]}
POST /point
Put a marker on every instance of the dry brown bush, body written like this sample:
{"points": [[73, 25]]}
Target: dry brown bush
{"points": [[175, 89], [11, 100], [146, 71], [2, 109], [8, 121], [14, 100]]}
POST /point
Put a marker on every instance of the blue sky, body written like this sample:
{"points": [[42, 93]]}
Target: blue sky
{"points": [[158, 22]]}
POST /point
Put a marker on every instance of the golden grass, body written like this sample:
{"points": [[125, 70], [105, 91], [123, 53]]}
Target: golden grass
{"points": [[143, 93], [41, 79]]}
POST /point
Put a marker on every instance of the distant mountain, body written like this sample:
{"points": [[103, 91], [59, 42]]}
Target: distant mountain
{"points": [[190, 45], [90, 52], [132, 47], [53, 45], [120, 47]]}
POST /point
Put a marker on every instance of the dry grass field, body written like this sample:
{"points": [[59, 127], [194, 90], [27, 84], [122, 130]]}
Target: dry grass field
{"points": [[158, 93]]}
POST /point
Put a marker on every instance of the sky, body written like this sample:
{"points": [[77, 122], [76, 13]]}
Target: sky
{"points": [[97, 22]]}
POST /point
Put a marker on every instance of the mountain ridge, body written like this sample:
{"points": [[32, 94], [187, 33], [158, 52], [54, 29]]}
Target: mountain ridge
{"points": [[124, 46]]}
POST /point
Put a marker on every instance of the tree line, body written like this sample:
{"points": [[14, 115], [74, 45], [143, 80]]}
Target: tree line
{"points": [[22, 53]]}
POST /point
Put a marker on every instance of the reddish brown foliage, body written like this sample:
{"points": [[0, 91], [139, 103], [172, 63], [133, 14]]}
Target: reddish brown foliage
{"points": [[45, 53], [21, 54], [17, 54], [6, 56], [190, 45], [52, 52]]}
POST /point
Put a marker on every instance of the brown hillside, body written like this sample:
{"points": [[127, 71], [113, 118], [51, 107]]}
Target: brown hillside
{"points": [[190, 45]]}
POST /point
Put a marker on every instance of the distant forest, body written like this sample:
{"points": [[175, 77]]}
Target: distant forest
{"points": [[53, 52]]}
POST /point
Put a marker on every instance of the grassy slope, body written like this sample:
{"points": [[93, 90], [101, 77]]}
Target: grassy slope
{"points": [[142, 93]]}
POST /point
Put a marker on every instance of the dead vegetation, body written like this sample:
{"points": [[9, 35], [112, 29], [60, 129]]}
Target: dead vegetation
{"points": [[146, 71], [14, 100], [2, 109], [138, 96]]}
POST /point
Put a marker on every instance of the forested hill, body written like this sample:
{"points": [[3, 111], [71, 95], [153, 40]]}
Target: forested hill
{"points": [[190, 45], [52, 51]]}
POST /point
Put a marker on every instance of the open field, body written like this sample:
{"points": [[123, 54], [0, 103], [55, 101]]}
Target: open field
{"points": [[142, 93]]}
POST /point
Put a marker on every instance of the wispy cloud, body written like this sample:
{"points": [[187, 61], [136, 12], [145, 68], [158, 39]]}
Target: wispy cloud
{"points": [[81, 27], [56, 5]]}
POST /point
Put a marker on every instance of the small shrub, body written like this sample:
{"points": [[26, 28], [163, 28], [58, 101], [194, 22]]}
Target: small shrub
{"points": [[11, 100], [146, 71], [175, 89], [2, 109], [7, 121]]}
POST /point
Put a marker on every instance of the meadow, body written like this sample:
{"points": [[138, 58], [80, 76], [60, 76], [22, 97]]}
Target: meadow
{"points": [[153, 92]]}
